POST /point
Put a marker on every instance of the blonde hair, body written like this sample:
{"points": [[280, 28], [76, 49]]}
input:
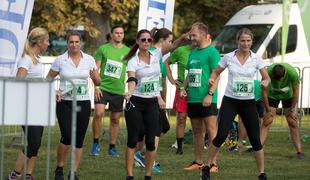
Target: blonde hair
{"points": [[34, 37]]}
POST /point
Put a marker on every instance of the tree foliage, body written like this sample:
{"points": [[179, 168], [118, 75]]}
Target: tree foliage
{"points": [[59, 15]]}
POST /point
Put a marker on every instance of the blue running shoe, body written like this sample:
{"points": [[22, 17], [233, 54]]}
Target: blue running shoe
{"points": [[156, 168], [95, 149], [139, 159], [113, 152]]}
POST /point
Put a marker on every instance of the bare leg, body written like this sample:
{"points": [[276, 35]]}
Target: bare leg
{"points": [[97, 124], [211, 126], [62, 152], [114, 126], [149, 160], [198, 134], [259, 157], [129, 158]]}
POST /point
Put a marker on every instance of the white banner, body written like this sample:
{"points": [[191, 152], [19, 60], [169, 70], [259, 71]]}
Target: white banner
{"points": [[156, 13], [27, 102], [14, 24]]}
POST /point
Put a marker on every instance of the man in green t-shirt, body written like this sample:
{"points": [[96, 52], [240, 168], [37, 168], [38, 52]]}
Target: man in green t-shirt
{"points": [[202, 100], [284, 87], [109, 58], [179, 56]]}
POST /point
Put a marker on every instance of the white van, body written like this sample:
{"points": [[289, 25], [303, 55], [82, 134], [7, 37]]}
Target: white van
{"points": [[265, 21]]}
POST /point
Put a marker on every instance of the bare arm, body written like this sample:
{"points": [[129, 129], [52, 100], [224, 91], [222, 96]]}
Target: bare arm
{"points": [[21, 72], [264, 87], [170, 47], [295, 96], [131, 85], [169, 74], [215, 77], [52, 74]]}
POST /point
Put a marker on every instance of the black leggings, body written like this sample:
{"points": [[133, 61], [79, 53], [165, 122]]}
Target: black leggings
{"points": [[64, 115], [142, 113], [34, 135], [247, 111]]}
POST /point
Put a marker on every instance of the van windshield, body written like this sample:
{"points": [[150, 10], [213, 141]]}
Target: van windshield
{"points": [[225, 42]]}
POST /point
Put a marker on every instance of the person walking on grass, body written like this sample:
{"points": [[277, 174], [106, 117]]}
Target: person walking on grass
{"points": [[202, 100], [179, 56], [79, 67], [109, 59], [242, 65], [143, 98], [284, 87], [30, 66]]}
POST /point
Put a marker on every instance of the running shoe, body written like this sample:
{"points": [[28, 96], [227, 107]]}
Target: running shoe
{"points": [[95, 149], [175, 145], [59, 174], [179, 151], [262, 176], [76, 177], [214, 168], [301, 155], [14, 176], [113, 152], [156, 168], [29, 177], [139, 159], [193, 165], [205, 173]]}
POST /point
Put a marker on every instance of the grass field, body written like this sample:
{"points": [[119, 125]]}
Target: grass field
{"points": [[280, 157]]}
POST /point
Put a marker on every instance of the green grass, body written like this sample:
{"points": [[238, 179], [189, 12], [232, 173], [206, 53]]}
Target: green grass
{"points": [[281, 161]]}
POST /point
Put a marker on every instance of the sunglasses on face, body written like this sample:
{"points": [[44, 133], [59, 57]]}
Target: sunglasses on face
{"points": [[146, 40]]}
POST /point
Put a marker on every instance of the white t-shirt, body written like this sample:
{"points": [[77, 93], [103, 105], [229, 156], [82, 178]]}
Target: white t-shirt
{"points": [[241, 77], [78, 74], [33, 70], [146, 74]]}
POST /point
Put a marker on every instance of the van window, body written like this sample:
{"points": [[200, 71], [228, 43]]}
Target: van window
{"points": [[226, 41], [274, 47]]}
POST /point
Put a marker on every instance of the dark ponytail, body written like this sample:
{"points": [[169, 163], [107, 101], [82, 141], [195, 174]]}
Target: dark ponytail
{"points": [[135, 47], [132, 52]]}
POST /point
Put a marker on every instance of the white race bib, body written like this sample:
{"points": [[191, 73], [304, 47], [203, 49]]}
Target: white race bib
{"points": [[194, 77], [243, 87], [149, 86], [113, 68], [81, 89]]}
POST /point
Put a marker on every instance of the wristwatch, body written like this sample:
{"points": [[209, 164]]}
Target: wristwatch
{"points": [[210, 93]]}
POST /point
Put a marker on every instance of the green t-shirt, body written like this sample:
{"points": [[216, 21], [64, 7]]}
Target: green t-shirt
{"points": [[113, 68], [257, 90], [282, 89], [200, 64], [180, 56]]}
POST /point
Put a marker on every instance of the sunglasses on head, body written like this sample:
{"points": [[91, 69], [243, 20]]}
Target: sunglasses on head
{"points": [[146, 40]]}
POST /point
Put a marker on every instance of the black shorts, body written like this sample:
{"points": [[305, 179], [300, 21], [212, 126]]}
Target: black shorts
{"points": [[260, 108], [286, 103], [115, 101], [196, 110]]}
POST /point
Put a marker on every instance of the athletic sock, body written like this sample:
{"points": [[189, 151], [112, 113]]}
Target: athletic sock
{"points": [[96, 140], [180, 143], [111, 146], [147, 177]]}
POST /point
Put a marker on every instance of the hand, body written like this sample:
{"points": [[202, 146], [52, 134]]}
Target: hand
{"points": [[183, 93], [293, 114], [59, 97], [264, 83], [161, 103], [210, 82], [93, 74], [127, 95], [98, 94], [207, 101]]}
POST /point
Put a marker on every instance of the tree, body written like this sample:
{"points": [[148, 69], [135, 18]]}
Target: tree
{"points": [[95, 16]]}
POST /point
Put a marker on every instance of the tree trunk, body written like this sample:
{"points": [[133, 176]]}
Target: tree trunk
{"points": [[101, 22]]}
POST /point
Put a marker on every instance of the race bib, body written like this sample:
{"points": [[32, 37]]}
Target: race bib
{"points": [[113, 69], [194, 77], [81, 89], [149, 86], [243, 87]]}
